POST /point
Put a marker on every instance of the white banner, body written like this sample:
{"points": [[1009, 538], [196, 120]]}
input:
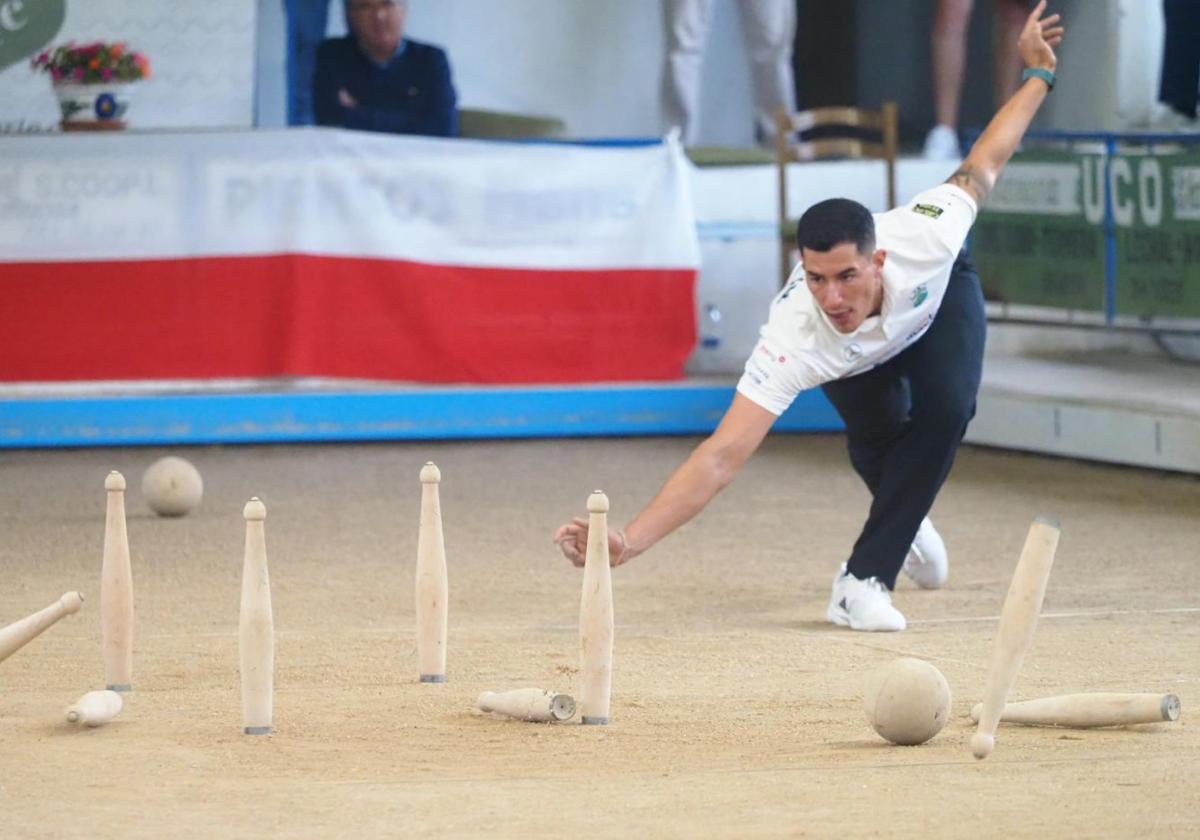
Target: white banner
{"points": [[341, 193], [1049, 189]]}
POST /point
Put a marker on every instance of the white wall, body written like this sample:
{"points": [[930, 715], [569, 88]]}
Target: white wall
{"points": [[597, 64], [1108, 65], [201, 57]]}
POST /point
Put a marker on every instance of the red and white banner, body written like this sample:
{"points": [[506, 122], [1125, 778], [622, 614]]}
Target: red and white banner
{"points": [[316, 252]]}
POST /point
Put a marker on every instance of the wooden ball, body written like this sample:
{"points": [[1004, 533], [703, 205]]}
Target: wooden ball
{"points": [[907, 701], [172, 486]]}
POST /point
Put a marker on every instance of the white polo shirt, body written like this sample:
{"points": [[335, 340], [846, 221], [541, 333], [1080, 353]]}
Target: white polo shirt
{"points": [[799, 348]]}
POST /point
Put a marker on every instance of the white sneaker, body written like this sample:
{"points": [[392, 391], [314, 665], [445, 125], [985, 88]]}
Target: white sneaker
{"points": [[927, 564], [862, 604], [942, 144]]}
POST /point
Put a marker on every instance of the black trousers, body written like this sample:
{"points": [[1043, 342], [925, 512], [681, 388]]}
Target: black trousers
{"points": [[1180, 79], [905, 420]]}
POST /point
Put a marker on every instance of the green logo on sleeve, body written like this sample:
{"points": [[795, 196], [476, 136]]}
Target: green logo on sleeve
{"points": [[930, 210], [919, 294]]}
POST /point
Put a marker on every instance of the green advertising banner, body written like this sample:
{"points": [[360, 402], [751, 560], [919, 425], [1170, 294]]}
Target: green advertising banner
{"points": [[1040, 238], [1156, 216]]}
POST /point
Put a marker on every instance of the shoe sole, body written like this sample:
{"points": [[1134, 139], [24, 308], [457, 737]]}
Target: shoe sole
{"points": [[841, 618], [835, 615]]}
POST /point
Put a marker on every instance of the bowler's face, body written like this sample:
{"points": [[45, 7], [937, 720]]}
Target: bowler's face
{"points": [[379, 24], [846, 284]]}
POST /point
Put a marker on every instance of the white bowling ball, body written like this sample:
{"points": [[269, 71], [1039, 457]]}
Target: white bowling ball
{"points": [[172, 486]]}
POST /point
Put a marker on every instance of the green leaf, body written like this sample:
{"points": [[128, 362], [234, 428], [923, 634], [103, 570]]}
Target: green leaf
{"points": [[26, 26]]}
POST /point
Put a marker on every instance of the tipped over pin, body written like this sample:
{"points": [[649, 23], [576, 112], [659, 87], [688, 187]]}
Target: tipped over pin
{"points": [[531, 704]]}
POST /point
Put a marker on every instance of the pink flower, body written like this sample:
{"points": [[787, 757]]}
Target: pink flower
{"points": [[106, 74], [78, 74], [56, 74]]}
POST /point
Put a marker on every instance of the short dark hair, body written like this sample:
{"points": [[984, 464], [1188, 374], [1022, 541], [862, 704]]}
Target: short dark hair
{"points": [[830, 223]]}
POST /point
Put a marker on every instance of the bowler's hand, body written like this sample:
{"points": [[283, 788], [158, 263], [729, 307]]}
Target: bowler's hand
{"points": [[346, 100], [1039, 38], [572, 540]]}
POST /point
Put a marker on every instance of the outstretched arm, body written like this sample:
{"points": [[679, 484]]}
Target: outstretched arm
{"points": [[710, 467], [1003, 134]]}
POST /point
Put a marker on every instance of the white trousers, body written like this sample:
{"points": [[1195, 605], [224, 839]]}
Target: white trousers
{"points": [[768, 27]]}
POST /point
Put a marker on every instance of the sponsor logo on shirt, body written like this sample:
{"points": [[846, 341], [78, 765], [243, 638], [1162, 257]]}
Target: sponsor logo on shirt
{"points": [[852, 352], [919, 294], [770, 354], [757, 372], [930, 210], [924, 325]]}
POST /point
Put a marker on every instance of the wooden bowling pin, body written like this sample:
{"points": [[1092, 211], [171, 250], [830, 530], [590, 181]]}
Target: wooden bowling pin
{"points": [[531, 704], [596, 617], [20, 633], [116, 590], [256, 629], [432, 588], [95, 708], [1085, 711], [1018, 620]]}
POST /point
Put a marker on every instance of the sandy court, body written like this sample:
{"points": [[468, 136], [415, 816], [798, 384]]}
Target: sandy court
{"points": [[736, 708]]}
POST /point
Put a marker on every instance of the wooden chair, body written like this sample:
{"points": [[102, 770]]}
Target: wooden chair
{"points": [[825, 133]]}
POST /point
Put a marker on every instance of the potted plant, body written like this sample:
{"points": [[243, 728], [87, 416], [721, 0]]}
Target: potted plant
{"points": [[93, 82]]}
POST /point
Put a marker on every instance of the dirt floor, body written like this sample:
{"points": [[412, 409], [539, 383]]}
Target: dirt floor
{"points": [[737, 710]]}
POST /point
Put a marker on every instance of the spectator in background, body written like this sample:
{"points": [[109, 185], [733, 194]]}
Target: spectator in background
{"points": [[949, 49], [306, 22], [1179, 85], [375, 79], [769, 29]]}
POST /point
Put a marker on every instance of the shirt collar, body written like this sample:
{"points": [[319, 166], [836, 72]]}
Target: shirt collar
{"points": [[399, 51], [869, 324]]}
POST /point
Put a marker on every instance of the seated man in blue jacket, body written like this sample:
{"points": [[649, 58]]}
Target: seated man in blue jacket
{"points": [[375, 79]]}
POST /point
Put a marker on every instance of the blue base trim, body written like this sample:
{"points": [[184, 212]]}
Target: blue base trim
{"points": [[417, 414]]}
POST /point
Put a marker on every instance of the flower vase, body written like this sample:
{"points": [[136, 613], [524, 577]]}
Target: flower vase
{"points": [[100, 106]]}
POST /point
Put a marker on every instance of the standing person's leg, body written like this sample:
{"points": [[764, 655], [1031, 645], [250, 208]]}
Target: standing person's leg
{"points": [[687, 23], [875, 407], [1181, 57], [1008, 19], [948, 47], [769, 30], [306, 22], [943, 370]]}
